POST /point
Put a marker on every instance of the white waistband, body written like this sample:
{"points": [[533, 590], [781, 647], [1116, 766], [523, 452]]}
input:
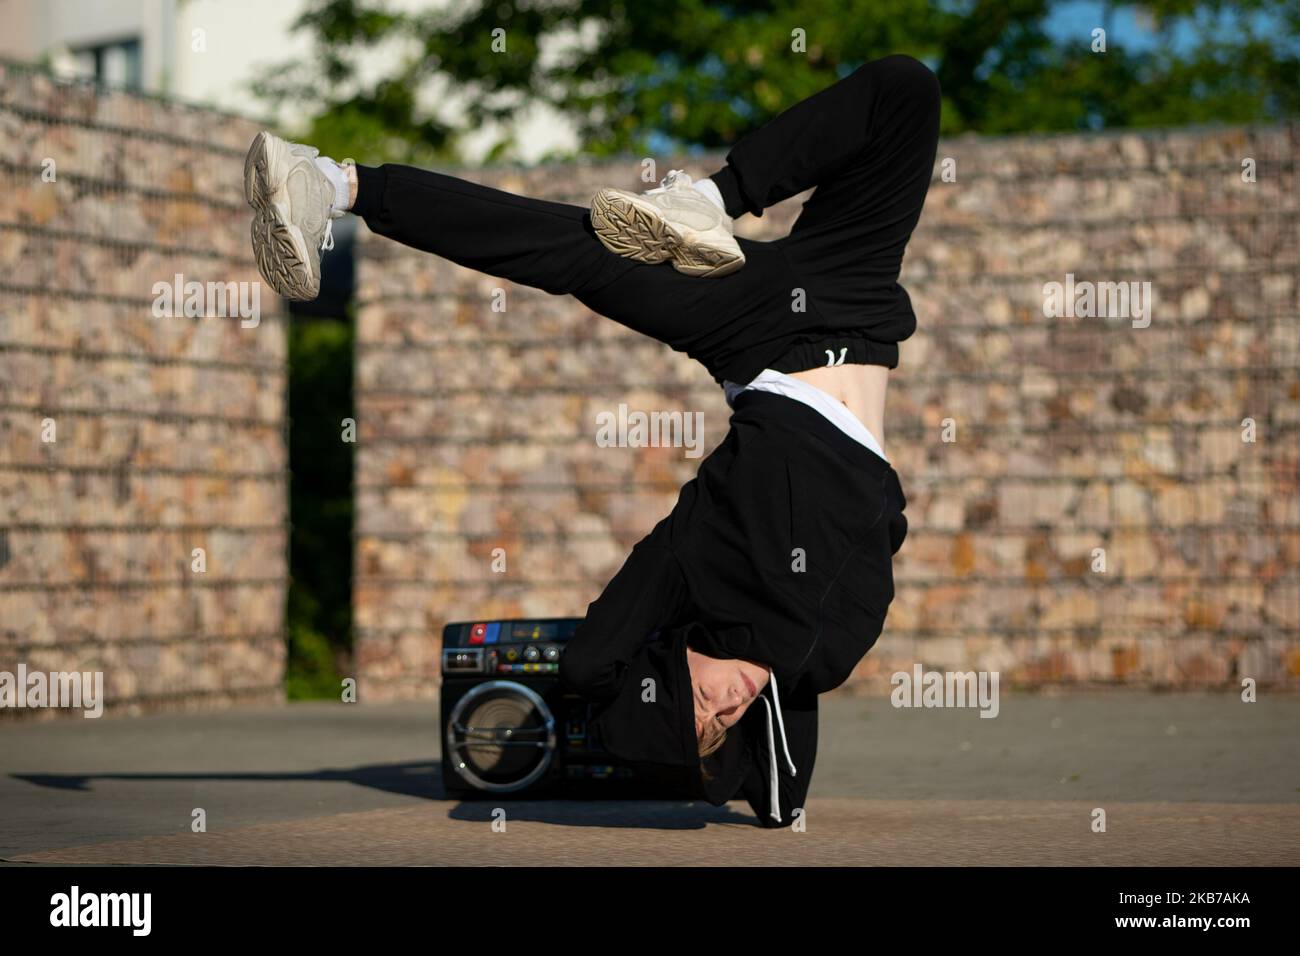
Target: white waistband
{"points": [[836, 412]]}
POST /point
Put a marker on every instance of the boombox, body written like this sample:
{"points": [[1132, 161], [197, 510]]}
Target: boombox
{"points": [[510, 729]]}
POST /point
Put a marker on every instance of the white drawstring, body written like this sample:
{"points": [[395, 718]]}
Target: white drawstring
{"points": [[775, 801]]}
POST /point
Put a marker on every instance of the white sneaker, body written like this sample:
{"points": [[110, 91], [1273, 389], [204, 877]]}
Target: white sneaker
{"points": [[292, 202], [671, 222]]}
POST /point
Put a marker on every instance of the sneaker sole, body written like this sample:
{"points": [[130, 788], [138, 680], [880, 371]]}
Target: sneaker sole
{"points": [[278, 245], [636, 230]]}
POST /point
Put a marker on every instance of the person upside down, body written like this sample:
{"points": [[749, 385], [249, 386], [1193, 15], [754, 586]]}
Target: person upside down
{"points": [[771, 577]]}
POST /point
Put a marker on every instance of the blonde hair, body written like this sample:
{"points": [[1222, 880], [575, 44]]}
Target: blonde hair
{"points": [[713, 737]]}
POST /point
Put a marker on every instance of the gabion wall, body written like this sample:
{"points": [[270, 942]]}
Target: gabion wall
{"points": [[142, 453]]}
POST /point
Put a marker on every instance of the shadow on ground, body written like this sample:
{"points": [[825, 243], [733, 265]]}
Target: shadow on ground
{"points": [[423, 780], [413, 779]]}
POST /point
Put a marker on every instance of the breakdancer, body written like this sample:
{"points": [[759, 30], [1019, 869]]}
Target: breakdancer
{"points": [[772, 575]]}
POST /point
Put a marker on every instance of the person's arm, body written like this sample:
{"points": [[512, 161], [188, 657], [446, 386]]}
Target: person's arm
{"points": [[643, 597]]}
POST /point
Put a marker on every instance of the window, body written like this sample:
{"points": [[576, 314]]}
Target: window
{"points": [[113, 64]]}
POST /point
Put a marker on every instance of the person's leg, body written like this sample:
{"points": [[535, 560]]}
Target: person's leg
{"points": [[535, 242], [882, 118], [295, 193], [868, 145], [861, 138], [552, 246]]}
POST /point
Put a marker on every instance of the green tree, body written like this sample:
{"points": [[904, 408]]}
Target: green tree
{"points": [[689, 73], [320, 502]]}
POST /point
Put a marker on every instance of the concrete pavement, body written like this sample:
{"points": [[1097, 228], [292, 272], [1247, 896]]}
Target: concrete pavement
{"points": [[1187, 779]]}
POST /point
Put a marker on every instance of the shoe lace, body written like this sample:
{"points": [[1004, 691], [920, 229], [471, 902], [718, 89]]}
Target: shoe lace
{"points": [[328, 242], [667, 182]]}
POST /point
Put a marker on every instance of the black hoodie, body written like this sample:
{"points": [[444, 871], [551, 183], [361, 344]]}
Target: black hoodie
{"points": [[778, 552]]}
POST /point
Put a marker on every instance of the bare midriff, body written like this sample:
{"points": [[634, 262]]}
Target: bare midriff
{"points": [[860, 387]]}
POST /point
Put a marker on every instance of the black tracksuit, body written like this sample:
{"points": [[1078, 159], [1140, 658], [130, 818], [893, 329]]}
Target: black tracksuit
{"points": [[723, 567]]}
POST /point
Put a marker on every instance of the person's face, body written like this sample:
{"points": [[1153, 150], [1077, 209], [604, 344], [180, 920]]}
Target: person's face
{"points": [[723, 688]]}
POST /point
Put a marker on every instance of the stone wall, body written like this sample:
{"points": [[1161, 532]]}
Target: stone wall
{"points": [[129, 439], [1025, 442]]}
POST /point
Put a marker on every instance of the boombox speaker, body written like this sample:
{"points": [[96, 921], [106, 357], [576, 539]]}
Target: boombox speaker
{"points": [[508, 728]]}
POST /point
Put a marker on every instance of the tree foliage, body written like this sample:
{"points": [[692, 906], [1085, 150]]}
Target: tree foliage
{"points": [[687, 73]]}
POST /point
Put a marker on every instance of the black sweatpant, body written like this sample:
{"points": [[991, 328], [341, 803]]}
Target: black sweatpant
{"points": [[827, 293]]}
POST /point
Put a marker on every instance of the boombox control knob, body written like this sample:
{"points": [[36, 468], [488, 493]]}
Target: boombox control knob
{"points": [[531, 653], [551, 652]]}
